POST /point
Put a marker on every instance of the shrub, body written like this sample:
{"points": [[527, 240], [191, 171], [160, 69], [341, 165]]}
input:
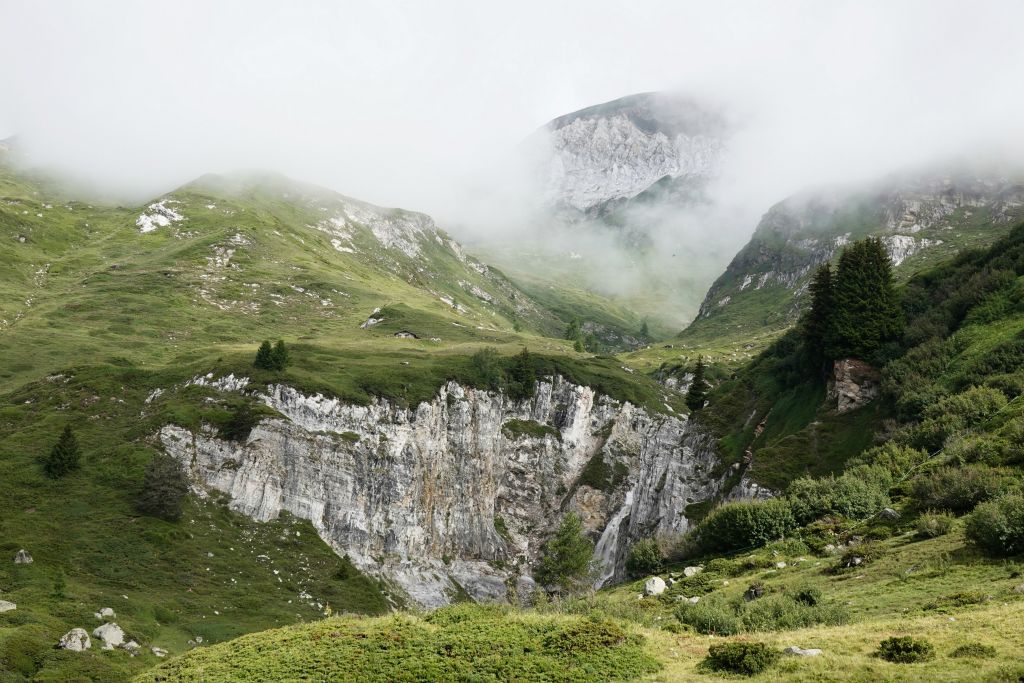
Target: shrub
{"points": [[906, 650], [974, 650], [710, 617], [164, 487], [239, 424], [644, 558], [808, 595], [64, 456], [934, 524], [859, 555], [850, 496], [986, 448], [747, 659], [961, 599], [894, 458], [487, 366], [997, 527], [957, 489], [783, 612], [587, 635], [735, 526]]}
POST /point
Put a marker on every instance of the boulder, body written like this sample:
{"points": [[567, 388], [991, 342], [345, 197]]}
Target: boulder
{"points": [[1019, 590], [800, 652], [692, 571], [654, 586], [889, 513], [22, 557], [105, 613], [75, 640], [780, 565], [132, 648], [158, 651], [6, 606], [111, 634], [694, 600]]}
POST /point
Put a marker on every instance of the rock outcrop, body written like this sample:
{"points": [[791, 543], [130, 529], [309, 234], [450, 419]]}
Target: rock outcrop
{"points": [[442, 497], [7, 606], [75, 640], [22, 557], [853, 384]]}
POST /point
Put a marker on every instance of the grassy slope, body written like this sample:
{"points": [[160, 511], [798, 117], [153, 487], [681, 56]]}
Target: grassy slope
{"points": [[899, 594]]}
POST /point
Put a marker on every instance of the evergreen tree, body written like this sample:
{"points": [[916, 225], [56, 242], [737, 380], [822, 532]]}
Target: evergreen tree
{"points": [[163, 489], [279, 356], [698, 387], [574, 330], [264, 357], [867, 312], [645, 332], [64, 455], [565, 559], [522, 376], [817, 323]]}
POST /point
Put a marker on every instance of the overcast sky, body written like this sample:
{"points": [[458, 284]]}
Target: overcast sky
{"points": [[398, 103]]}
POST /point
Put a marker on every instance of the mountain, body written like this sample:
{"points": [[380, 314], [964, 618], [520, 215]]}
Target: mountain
{"points": [[604, 156], [921, 217]]}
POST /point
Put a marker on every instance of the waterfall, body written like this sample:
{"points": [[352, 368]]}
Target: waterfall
{"points": [[607, 548]]}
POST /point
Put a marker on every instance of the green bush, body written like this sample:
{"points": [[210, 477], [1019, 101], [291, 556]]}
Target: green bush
{"points": [[779, 612], [710, 617], [644, 558], [587, 635], [934, 524], [974, 650], [747, 659], [997, 526], [856, 497], [961, 599], [956, 489], [735, 526], [906, 650]]}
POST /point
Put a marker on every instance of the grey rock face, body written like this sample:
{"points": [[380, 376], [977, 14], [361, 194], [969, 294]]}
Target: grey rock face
{"points": [[415, 498], [853, 384], [75, 640]]}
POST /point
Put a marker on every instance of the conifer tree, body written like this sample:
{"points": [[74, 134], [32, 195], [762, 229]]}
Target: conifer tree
{"points": [[163, 489], [280, 355], [645, 331], [64, 455], [867, 312], [817, 324], [574, 330], [522, 376], [565, 559], [698, 387], [264, 357]]}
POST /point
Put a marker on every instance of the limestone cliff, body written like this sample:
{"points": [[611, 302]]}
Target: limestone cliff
{"points": [[459, 493]]}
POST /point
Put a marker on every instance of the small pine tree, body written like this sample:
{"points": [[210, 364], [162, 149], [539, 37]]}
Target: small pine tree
{"points": [[645, 332], [698, 387], [574, 330], [264, 357], [565, 559], [279, 356], [522, 376], [577, 346], [64, 456], [164, 487], [817, 323]]}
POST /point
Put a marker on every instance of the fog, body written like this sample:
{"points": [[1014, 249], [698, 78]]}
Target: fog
{"points": [[424, 105]]}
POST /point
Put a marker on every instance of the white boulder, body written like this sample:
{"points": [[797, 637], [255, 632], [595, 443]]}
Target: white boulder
{"points": [[22, 557], [105, 613], [654, 586], [6, 606], [132, 648], [800, 652], [692, 571], [158, 651], [111, 634], [75, 640]]}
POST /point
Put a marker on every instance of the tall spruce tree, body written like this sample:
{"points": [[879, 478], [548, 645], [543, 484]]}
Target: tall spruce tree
{"points": [[64, 456], [264, 357], [164, 487], [867, 312], [817, 323], [698, 387]]}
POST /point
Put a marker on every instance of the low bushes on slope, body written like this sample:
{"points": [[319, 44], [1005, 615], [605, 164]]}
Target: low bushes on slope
{"points": [[997, 527], [735, 526], [464, 642]]}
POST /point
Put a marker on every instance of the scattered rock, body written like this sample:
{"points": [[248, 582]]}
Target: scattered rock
{"points": [[754, 592], [780, 565], [694, 600], [889, 513], [800, 652], [199, 640], [6, 606], [75, 640], [855, 562], [105, 613], [654, 586], [1019, 590], [158, 651], [830, 548], [22, 557], [111, 634], [692, 571], [132, 648]]}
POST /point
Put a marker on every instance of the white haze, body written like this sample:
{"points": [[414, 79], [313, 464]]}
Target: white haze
{"points": [[421, 105]]}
